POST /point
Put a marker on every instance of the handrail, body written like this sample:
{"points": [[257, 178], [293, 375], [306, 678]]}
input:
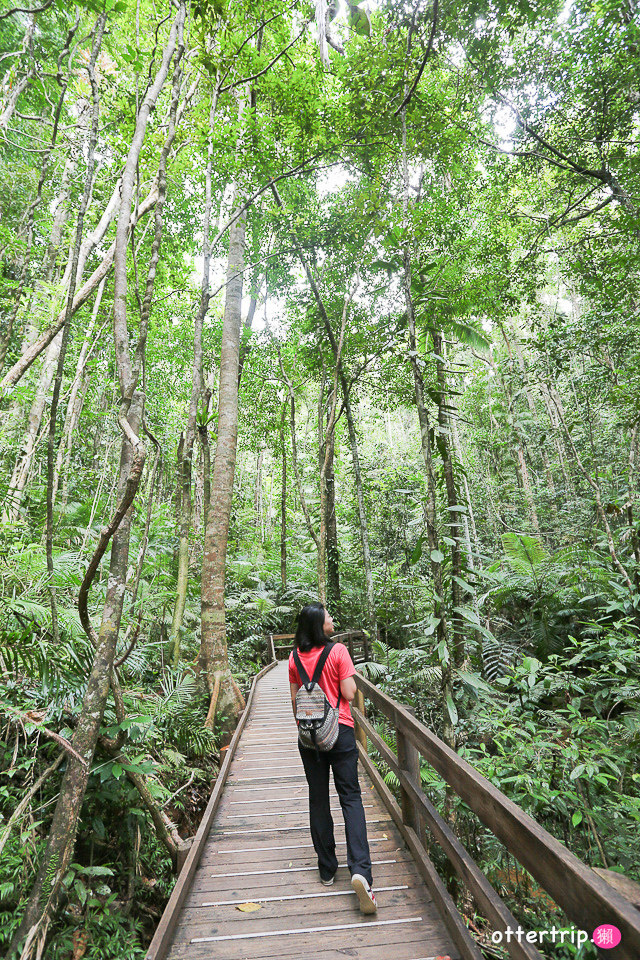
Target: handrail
{"points": [[356, 641], [164, 931], [586, 898]]}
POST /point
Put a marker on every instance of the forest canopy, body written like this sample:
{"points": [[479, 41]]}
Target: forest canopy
{"points": [[311, 300]]}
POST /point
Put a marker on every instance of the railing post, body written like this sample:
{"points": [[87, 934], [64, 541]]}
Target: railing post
{"points": [[409, 762], [350, 644], [272, 648], [361, 733]]}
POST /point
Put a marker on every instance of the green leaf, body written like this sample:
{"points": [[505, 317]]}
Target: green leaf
{"points": [[473, 680], [437, 556], [576, 818], [451, 709], [359, 20], [416, 553]]}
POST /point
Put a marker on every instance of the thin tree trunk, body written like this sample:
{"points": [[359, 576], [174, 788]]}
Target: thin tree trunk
{"points": [[532, 409], [469, 518], [363, 527], [128, 371], [11, 90], [57, 385], [296, 470], [331, 527], [24, 461], [595, 486], [212, 659], [283, 508], [186, 461], [257, 494], [521, 462], [67, 53], [633, 531], [322, 526], [76, 401], [445, 447], [557, 440], [440, 612]]}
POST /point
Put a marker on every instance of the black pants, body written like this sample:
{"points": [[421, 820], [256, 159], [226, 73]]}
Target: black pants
{"points": [[343, 759]]}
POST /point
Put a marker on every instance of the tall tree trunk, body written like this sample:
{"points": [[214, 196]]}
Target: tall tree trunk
{"points": [[299, 480], [363, 526], [521, 462], [331, 531], [445, 445], [76, 401], [517, 349], [185, 466], [24, 461], [283, 507], [323, 454], [213, 662], [258, 505], [73, 277], [67, 53], [557, 439], [440, 611], [469, 517]]}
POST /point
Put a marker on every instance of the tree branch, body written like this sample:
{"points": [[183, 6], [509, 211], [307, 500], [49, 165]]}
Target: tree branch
{"points": [[412, 88]]}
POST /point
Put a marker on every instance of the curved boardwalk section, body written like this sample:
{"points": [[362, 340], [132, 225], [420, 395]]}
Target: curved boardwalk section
{"points": [[258, 852]]}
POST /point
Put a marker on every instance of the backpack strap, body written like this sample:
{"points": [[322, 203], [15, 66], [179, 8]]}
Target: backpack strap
{"points": [[322, 659], [304, 676]]}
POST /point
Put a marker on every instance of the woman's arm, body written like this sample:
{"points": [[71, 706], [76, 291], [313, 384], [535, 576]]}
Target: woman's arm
{"points": [[348, 688], [294, 687]]}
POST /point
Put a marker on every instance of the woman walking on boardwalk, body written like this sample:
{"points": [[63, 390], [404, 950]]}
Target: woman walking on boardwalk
{"points": [[314, 631]]}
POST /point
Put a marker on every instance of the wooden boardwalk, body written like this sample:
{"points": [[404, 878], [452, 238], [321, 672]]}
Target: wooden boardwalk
{"points": [[258, 851]]}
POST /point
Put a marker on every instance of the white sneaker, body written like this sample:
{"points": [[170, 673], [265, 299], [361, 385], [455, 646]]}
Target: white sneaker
{"points": [[364, 892]]}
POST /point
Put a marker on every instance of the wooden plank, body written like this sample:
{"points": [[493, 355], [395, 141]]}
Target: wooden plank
{"points": [[336, 923], [286, 897], [303, 878], [162, 937], [227, 921], [442, 899], [583, 895], [242, 857], [364, 943]]}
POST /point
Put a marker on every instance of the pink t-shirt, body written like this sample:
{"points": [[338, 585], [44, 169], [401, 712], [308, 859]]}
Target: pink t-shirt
{"points": [[339, 665]]}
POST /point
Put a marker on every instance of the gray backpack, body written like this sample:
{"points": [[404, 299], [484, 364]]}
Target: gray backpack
{"points": [[317, 719]]}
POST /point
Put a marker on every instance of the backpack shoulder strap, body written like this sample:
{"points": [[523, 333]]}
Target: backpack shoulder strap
{"points": [[304, 676], [322, 659]]}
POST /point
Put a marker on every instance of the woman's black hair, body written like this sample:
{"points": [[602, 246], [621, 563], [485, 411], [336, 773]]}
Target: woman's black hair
{"points": [[310, 630]]}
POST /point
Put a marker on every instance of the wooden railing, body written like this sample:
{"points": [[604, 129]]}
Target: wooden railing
{"points": [[356, 641], [586, 899]]}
